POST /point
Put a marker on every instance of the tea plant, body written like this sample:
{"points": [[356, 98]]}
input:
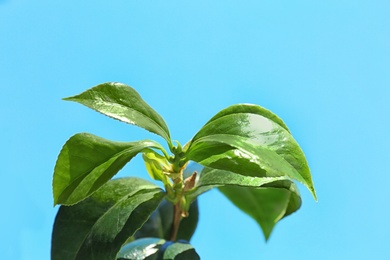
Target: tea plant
{"points": [[245, 151]]}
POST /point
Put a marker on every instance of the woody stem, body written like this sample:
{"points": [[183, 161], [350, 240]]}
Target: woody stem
{"points": [[176, 221]]}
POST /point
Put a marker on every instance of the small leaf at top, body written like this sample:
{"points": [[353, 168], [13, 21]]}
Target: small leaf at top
{"points": [[98, 226], [122, 102], [86, 162]]}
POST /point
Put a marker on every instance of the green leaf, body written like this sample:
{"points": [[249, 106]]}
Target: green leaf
{"points": [[86, 162], [246, 158], [97, 227], [249, 109], [209, 178], [265, 134], [180, 251], [266, 205], [266, 199], [122, 102], [160, 223], [144, 248], [157, 249]]}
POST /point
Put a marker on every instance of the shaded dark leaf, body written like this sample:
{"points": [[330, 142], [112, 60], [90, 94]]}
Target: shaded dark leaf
{"points": [[160, 223], [97, 227]]}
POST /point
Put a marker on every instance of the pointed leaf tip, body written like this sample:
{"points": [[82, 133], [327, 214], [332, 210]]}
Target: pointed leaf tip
{"points": [[123, 103]]}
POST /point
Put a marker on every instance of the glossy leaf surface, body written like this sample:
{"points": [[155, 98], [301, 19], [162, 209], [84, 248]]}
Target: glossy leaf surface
{"points": [[249, 109], [97, 227], [122, 102], [267, 205], [265, 138], [157, 249], [86, 162], [140, 249], [210, 178], [160, 223], [244, 158]]}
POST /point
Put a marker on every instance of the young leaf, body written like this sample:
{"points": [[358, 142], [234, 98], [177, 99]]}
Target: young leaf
{"points": [[86, 162], [157, 249], [261, 130], [122, 102], [267, 205], [97, 227]]}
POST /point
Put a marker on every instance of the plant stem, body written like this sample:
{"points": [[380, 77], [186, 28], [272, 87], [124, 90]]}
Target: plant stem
{"points": [[176, 221]]}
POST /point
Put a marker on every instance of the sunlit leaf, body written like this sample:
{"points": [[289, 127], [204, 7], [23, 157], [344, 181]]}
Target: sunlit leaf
{"points": [[249, 109], [122, 102], [97, 227], [243, 157], [266, 136], [86, 162], [211, 178]]}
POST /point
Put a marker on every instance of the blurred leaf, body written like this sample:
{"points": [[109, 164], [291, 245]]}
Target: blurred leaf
{"points": [[140, 249], [97, 227], [256, 134], [122, 102], [180, 251], [157, 249], [160, 223], [267, 205], [86, 162]]}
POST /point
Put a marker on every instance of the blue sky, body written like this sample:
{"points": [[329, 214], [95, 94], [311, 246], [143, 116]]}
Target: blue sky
{"points": [[322, 66]]}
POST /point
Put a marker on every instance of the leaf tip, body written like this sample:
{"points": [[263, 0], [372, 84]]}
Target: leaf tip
{"points": [[68, 99], [313, 193]]}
